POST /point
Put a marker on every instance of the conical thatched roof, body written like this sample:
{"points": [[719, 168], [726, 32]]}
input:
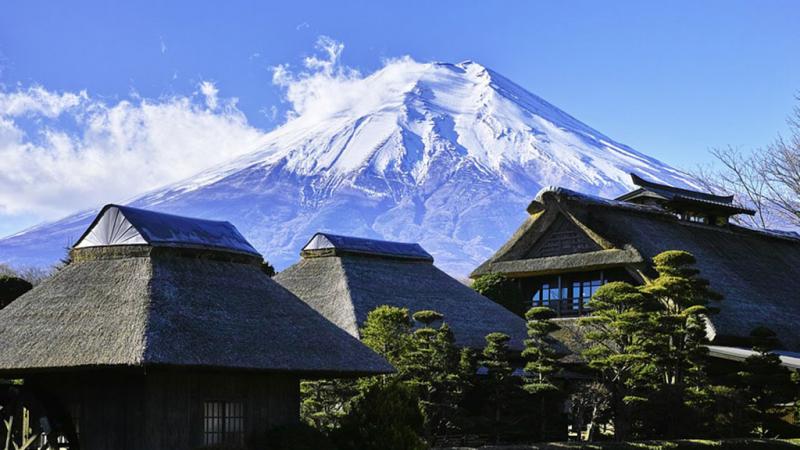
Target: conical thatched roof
{"points": [[175, 305], [347, 279], [757, 272]]}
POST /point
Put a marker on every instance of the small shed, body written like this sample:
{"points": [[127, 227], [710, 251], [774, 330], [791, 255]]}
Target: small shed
{"points": [[164, 333], [344, 278]]}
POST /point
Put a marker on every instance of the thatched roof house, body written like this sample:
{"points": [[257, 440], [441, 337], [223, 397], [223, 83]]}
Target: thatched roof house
{"points": [[171, 319], [572, 243], [345, 278]]}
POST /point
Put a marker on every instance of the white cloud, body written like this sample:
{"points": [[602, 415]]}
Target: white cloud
{"points": [[210, 91], [108, 152], [325, 87], [36, 100]]}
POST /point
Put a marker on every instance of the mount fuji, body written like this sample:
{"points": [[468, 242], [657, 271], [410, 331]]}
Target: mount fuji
{"points": [[447, 155]]}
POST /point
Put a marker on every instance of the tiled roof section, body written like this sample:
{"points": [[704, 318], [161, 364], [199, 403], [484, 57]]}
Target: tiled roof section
{"points": [[679, 194]]}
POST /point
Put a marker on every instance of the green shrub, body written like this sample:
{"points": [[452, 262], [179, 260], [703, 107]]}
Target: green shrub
{"points": [[385, 417]]}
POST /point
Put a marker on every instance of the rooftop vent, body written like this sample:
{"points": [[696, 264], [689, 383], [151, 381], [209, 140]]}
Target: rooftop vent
{"points": [[325, 244], [122, 225]]}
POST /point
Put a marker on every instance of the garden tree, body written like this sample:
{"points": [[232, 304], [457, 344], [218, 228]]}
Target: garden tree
{"points": [[499, 385], [676, 340], [64, 261], [615, 333], [11, 287], [765, 383], [720, 411], [383, 417], [267, 268], [325, 402], [387, 330], [590, 407], [432, 368], [541, 363], [499, 289]]}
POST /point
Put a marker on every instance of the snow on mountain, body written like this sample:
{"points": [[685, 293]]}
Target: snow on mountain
{"points": [[447, 155]]}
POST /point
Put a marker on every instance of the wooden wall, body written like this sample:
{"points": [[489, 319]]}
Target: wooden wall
{"points": [[163, 408]]}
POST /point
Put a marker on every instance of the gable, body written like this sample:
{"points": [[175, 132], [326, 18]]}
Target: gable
{"points": [[111, 228], [562, 237], [122, 225]]}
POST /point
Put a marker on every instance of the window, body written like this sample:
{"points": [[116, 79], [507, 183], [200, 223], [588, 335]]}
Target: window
{"points": [[223, 423], [693, 217], [568, 294]]}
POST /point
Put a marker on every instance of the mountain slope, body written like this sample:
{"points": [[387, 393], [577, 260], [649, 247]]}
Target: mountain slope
{"points": [[441, 154]]}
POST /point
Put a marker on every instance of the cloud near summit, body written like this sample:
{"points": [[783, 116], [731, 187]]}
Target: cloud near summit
{"points": [[325, 87], [67, 151]]}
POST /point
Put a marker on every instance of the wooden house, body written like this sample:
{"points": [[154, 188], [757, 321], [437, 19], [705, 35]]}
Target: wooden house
{"points": [[344, 278], [573, 243], [164, 333]]}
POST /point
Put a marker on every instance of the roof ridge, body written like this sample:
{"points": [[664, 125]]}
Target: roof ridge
{"points": [[350, 308]]}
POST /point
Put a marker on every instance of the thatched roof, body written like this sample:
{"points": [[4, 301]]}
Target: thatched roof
{"points": [[147, 305], [346, 286], [757, 272]]}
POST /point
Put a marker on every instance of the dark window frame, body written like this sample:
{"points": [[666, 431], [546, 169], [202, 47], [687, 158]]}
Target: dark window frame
{"points": [[224, 422], [559, 292]]}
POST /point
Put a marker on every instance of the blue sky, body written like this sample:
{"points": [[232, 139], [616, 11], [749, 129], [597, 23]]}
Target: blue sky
{"points": [[669, 79]]}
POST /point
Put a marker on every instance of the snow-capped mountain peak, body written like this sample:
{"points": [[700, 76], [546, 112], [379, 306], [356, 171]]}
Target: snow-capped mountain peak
{"points": [[447, 155]]}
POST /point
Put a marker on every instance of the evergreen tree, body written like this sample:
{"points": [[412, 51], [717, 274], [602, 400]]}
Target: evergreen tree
{"points": [[11, 288], [676, 342], [383, 417], [541, 364], [765, 383], [614, 330], [432, 368], [325, 402], [387, 330], [267, 268], [499, 384]]}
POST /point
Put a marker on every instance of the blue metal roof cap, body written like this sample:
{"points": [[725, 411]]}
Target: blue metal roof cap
{"points": [[124, 225], [374, 247]]}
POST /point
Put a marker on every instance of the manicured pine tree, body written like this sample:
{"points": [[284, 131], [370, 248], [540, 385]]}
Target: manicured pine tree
{"points": [[432, 368], [325, 402], [499, 383], [765, 383], [614, 331], [387, 330], [541, 363], [676, 341]]}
